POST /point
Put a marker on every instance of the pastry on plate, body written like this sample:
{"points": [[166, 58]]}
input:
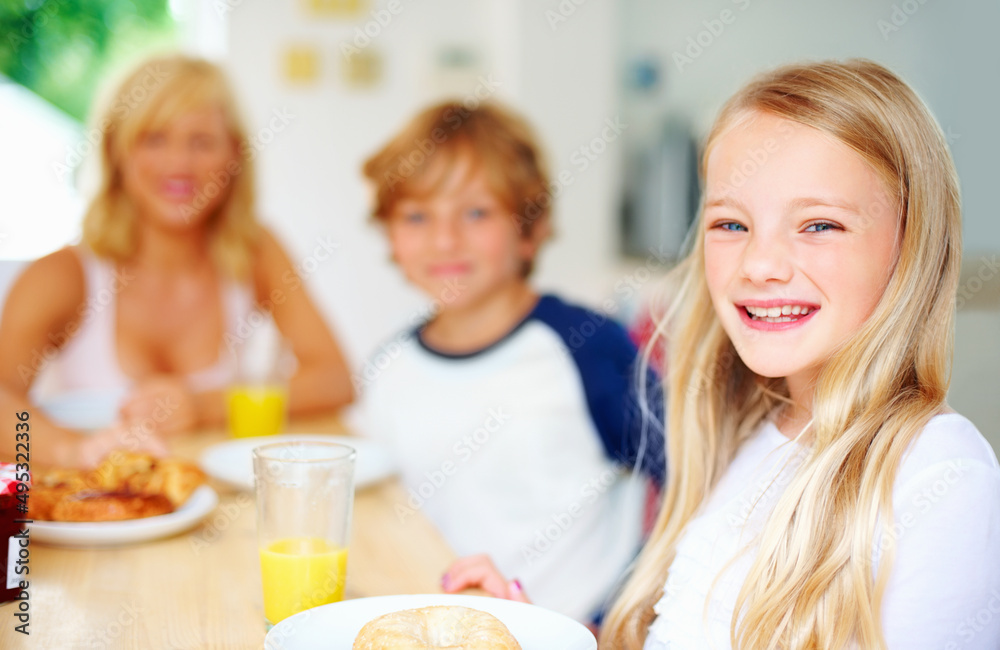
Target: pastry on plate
{"points": [[125, 485], [438, 627], [109, 506]]}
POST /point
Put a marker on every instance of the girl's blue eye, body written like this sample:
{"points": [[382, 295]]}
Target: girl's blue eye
{"points": [[821, 227], [476, 213], [732, 226], [414, 217]]}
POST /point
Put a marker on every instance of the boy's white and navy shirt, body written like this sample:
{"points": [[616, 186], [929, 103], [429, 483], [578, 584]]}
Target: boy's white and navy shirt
{"points": [[522, 450]]}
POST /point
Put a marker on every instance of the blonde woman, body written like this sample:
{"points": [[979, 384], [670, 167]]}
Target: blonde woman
{"points": [[820, 493], [160, 292]]}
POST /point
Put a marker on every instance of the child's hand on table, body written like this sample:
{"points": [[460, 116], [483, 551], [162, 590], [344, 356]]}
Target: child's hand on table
{"points": [[478, 571]]}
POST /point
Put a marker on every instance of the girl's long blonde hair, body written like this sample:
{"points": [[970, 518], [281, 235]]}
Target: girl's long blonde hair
{"points": [[813, 581], [156, 92]]}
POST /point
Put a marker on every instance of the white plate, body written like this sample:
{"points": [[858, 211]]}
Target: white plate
{"points": [[118, 533], [335, 626], [232, 461]]}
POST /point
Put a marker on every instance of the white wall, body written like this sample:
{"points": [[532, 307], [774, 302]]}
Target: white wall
{"points": [[309, 179]]}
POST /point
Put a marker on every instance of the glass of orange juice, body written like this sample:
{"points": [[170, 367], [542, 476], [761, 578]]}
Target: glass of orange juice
{"points": [[258, 398], [257, 409], [305, 493]]}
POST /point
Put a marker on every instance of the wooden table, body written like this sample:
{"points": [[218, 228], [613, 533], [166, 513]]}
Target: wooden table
{"points": [[201, 589]]}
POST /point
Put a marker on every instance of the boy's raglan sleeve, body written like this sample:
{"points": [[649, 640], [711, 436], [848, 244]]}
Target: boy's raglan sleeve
{"points": [[625, 402]]}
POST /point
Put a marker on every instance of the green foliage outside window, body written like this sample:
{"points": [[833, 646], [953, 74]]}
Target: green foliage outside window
{"points": [[62, 49]]}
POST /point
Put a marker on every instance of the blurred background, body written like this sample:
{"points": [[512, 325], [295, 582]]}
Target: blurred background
{"points": [[621, 93]]}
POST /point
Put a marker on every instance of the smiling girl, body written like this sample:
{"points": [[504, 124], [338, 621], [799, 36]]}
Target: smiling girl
{"points": [[820, 493]]}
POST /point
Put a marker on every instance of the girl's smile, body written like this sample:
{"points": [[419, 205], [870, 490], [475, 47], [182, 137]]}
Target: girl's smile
{"points": [[775, 315], [798, 252]]}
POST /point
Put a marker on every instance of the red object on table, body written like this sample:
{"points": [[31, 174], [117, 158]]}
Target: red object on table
{"points": [[8, 529]]}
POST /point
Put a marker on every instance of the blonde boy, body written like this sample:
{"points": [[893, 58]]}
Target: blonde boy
{"points": [[515, 436]]}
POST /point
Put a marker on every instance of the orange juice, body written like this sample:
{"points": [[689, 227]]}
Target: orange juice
{"points": [[299, 573], [256, 410]]}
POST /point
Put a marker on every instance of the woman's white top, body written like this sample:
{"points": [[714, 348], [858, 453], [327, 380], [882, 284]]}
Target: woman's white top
{"points": [[86, 371], [944, 589]]}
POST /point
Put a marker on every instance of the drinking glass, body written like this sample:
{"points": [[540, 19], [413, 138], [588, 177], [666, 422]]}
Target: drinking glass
{"points": [[305, 494], [258, 399]]}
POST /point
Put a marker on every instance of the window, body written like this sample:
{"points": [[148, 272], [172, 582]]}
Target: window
{"points": [[54, 56]]}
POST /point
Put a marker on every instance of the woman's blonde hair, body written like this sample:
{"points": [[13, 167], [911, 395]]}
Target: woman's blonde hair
{"points": [[156, 92], [812, 583]]}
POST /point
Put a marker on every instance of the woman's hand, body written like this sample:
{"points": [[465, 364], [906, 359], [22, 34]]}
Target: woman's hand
{"points": [[163, 404], [92, 449], [478, 571]]}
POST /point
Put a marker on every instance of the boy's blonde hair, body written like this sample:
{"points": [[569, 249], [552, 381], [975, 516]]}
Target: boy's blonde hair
{"points": [[152, 95], [418, 160], [812, 583]]}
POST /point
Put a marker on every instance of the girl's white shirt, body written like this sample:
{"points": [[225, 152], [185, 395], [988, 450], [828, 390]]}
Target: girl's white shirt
{"points": [[944, 589]]}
